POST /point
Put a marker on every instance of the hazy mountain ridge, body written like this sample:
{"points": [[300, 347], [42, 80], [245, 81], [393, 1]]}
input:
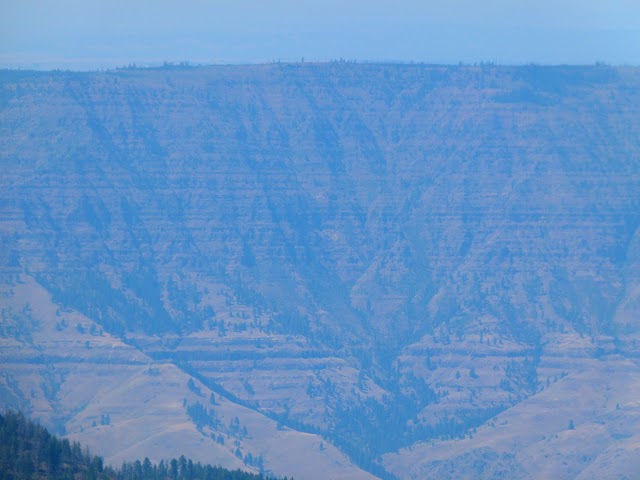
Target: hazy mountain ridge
{"points": [[356, 248]]}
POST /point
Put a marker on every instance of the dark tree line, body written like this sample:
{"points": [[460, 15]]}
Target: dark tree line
{"points": [[181, 469], [29, 452]]}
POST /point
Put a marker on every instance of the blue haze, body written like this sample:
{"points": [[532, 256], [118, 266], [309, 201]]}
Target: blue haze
{"points": [[91, 34]]}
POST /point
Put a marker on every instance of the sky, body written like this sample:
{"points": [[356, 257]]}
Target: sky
{"points": [[92, 34]]}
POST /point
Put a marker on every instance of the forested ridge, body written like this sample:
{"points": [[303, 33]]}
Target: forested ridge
{"points": [[29, 451]]}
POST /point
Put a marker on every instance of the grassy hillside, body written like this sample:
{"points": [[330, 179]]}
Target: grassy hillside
{"points": [[28, 451]]}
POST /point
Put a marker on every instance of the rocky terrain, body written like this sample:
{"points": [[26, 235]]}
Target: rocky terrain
{"points": [[327, 270]]}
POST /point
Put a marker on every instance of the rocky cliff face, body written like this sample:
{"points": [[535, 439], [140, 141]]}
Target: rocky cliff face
{"points": [[378, 259]]}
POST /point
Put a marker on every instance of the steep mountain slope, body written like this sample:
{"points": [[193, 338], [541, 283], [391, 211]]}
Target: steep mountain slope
{"points": [[28, 450], [376, 254], [95, 388]]}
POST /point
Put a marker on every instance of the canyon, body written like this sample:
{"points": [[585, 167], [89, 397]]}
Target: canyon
{"points": [[332, 270]]}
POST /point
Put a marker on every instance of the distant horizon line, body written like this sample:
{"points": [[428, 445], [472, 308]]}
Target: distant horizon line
{"points": [[185, 64]]}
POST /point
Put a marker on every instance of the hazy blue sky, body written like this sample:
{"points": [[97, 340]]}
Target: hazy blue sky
{"points": [[94, 34]]}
